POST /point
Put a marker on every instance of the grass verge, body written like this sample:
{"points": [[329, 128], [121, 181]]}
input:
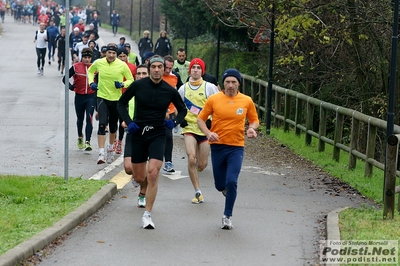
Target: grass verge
{"points": [[365, 223], [30, 204]]}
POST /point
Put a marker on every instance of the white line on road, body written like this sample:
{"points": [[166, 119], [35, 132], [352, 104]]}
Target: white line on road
{"points": [[99, 175]]}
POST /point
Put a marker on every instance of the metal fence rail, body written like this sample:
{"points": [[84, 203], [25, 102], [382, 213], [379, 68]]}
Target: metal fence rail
{"points": [[294, 110]]}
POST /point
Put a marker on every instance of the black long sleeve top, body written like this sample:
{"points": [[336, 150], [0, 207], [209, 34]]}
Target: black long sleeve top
{"points": [[151, 103]]}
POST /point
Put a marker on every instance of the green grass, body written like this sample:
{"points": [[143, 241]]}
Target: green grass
{"points": [[365, 223], [371, 187], [29, 204]]}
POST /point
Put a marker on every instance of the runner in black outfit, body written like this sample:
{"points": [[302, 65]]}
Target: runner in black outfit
{"points": [[152, 98]]}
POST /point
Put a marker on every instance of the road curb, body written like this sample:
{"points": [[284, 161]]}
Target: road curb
{"points": [[332, 226], [26, 249]]}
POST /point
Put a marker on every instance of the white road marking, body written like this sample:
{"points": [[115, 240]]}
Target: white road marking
{"points": [[175, 176], [99, 175]]}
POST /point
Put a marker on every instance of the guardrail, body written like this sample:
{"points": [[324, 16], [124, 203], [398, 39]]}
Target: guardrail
{"points": [[297, 110]]}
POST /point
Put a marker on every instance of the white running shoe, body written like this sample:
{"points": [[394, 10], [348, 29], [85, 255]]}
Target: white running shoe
{"points": [[101, 158], [141, 201], [110, 155], [134, 183], [227, 223], [147, 222]]}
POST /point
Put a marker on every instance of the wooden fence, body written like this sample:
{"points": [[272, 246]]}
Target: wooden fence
{"points": [[294, 110]]}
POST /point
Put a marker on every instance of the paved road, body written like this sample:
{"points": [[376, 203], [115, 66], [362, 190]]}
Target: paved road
{"points": [[276, 217], [32, 110]]}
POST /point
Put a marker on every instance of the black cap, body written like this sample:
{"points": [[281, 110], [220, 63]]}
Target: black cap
{"points": [[103, 49], [122, 51]]}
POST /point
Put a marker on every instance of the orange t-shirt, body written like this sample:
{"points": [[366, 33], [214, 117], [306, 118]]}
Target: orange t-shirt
{"points": [[229, 117], [172, 80]]}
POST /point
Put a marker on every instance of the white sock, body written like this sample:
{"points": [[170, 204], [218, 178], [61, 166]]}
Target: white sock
{"points": [[101, 150], [146, 213]]}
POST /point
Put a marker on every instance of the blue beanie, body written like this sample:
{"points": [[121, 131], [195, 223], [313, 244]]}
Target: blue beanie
{"points": [[232, 72], [147, 55]]}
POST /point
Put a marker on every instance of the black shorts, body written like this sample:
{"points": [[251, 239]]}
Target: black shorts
{"points": [[148, 143], [199, 139], [128, 145]]}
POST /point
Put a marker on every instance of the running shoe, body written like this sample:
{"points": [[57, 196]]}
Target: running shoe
{"points": [[224, 192], [118, 148], [227, 223], [52, 58], [80, 143], [147, 222], [101, 158], [110, 155], [169, 167], [141, 201], [198, 198], [39, 72], [49, 62], [62, 73], [88, 147], [134, 183]]}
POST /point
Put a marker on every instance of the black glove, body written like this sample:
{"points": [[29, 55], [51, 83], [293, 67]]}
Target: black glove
{"points": [[208, 123], [71, 87], [183, 123]]}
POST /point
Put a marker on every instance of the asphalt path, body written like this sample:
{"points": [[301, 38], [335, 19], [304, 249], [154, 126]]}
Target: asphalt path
{"points": [[33, 120], [276, 217]]}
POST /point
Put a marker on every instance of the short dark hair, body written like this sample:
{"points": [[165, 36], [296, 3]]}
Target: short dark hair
{"points": [[180, 50], [169, 58]]}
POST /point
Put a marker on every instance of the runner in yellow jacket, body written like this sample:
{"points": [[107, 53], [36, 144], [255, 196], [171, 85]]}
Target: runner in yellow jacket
{"points": [[110, 80]]}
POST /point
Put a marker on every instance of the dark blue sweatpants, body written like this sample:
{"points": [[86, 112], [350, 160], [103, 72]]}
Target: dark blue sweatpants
{"points": [[226, 164]]}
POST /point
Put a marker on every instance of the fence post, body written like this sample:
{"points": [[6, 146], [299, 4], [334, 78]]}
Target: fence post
{"points": [[390, 177], [244, 86], [277, 108], [252, 90], [287, 111], [309, 121], [338, 135], [354, 135], [298, 116], [259, 100], [370, 150], [322, 128]]}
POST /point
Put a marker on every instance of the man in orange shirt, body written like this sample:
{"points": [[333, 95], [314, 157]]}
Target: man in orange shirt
{"points": [[229, 109], [175, 82]]}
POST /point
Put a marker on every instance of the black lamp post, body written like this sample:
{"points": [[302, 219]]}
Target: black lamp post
{"points": [[389, 187], [270, 73], [130, 23], [152, 18], [140, 17]]}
